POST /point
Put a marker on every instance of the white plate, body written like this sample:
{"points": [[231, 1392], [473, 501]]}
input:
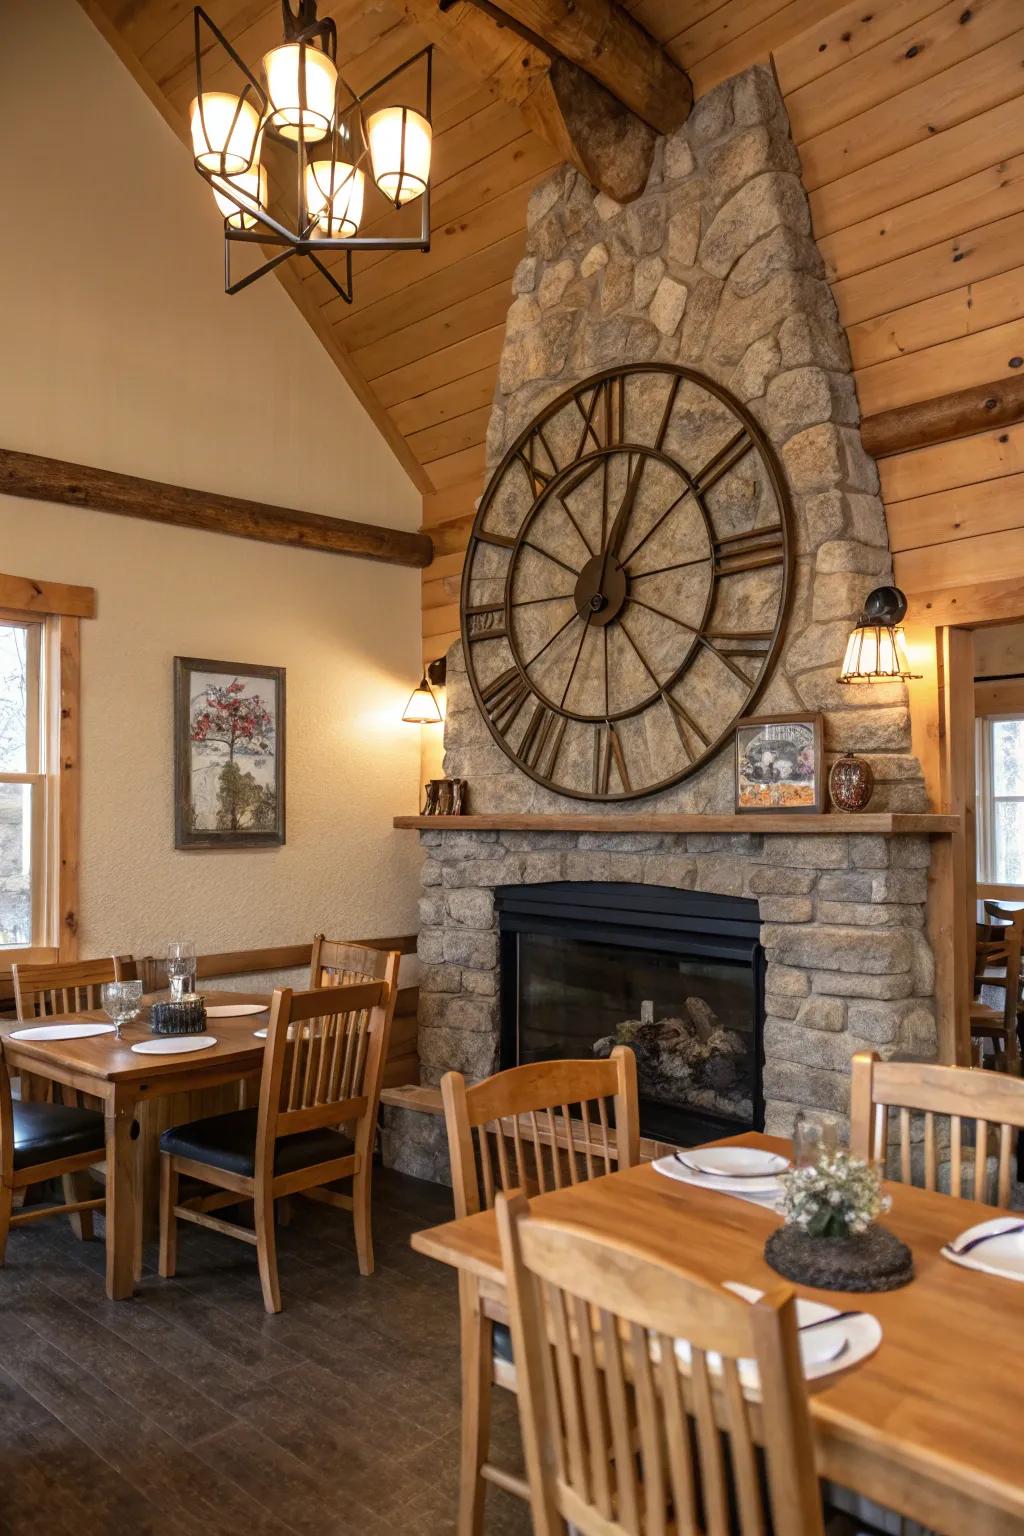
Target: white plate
{"points": [[735, 1162], [822, 1350], [174, 1045], [1002, 1256], [761, 1190], [235, 1010], [63, 1031]]}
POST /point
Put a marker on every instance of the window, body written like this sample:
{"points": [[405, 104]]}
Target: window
{"points": [[23, 786], [39, 767], [1001, 800]]}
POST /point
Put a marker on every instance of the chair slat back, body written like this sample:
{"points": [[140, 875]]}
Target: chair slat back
{"points": [[66, 987], [623, 1434], [518, 1129], [335, 963], [924, 1097], [325, 1055]]}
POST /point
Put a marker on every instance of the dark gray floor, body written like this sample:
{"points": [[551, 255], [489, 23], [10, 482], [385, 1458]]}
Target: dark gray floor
{"points": [[188, 1411]]}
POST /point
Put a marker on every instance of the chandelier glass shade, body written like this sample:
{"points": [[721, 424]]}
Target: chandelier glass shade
{"points": [[334, 196], [400, 143], [301, 100], [302, 84], [248, 189]]}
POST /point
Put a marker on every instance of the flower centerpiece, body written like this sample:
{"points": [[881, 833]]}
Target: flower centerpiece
{"points": [[839, 1196], [830, 1238]]}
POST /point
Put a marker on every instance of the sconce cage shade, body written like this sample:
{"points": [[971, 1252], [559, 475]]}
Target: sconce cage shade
{"points": [[225, 132], [400, 142], [334, 197], [302, 83], [249, 188], [422, 708], [876, 653]]}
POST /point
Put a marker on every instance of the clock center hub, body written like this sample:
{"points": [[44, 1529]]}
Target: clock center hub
{"points": [[602, 588]]}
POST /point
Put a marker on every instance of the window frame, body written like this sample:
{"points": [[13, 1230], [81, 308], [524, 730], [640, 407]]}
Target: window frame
{"points": [[55, 610], [987, 800]]}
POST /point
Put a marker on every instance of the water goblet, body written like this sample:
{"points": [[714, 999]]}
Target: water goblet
{"points": [[122, 1002], [815, 1138], [181, 967]]}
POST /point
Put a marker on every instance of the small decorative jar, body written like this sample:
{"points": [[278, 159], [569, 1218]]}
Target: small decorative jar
{"points": [[830, 1238], [181, 1016], [850, 783]]}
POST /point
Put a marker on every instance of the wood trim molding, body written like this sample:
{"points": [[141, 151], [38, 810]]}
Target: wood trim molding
{"points": [[24, 594], [1000, 404], [105, 490], [68, 643], [999, 696]]}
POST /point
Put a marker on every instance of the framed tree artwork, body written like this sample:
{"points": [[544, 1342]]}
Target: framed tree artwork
{"points": [[229, 754]]}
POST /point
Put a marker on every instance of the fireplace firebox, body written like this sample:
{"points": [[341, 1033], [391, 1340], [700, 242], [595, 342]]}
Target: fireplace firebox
{"points": [[678, 976]]}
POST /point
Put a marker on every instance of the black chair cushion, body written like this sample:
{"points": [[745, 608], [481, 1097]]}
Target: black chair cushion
{"points": [[45, 1132], [229, 1142], [501, 1342]]}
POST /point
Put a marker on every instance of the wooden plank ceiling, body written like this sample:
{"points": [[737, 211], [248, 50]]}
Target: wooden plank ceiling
{"points": [[909, 119]]}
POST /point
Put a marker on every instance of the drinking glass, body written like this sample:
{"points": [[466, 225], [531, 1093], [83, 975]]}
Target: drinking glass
{"points": [[181, 967], [815, 1137], [122, 1001]]}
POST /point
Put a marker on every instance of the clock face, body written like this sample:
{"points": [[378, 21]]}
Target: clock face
{"points": [[626, 582]]}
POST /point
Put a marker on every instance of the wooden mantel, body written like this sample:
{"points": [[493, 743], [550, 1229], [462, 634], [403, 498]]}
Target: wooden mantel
{"points": [[879, 823]]}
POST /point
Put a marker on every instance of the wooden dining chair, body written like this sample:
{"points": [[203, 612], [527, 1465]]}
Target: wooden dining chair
{"points": [[42, 1141], [621, 1436], [322, 1071], [992, 1101], [998, 950], [519, 1144], [336, 962], [59, 989]]}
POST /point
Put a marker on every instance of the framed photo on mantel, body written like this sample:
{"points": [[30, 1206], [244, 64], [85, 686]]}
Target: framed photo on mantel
{"points": [[228, 754], [779, 763]]}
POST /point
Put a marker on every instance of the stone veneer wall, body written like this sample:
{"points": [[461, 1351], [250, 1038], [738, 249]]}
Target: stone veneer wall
{"points": [[713, 266]]}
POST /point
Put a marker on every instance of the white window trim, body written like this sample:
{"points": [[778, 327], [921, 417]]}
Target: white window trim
{"points": [[986, 803]]}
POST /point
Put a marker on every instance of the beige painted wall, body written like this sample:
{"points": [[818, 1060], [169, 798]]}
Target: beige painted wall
{"points": [[119, 349]]}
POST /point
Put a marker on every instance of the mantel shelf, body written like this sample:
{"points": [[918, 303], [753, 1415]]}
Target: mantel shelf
{"points": [[879, 823]]}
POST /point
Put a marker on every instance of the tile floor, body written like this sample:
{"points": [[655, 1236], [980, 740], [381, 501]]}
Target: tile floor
{"points": [[188, 1411]]}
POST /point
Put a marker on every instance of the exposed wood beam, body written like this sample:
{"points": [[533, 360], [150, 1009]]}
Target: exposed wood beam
{"points": [[595, 132], [286, 273], [947, 416], [104, 490], [606, 42]]}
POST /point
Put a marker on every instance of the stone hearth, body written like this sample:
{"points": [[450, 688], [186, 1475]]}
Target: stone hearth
{"points": [[714, 266]]}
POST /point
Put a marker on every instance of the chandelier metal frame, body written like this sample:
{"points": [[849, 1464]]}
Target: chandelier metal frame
{"points": [[348, 130]]}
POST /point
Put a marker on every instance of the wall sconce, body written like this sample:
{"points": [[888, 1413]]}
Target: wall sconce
{"points": [[423, 708], [876, 651]]}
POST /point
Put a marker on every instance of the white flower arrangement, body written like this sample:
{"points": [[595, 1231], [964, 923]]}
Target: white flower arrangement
{"points": [[839, 1196]]}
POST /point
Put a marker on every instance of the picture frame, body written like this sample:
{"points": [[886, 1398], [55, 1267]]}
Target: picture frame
{"points": [[229, 754], [779, 765]]}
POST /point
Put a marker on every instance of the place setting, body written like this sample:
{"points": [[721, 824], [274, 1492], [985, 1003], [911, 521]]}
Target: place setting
{"points": [[747, 1172], [993, 1247]]}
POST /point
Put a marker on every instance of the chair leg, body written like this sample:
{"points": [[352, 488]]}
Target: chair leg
{"points": [[476, 1368], [78, 1186], [168, 1221], [361, 1188], [266, 1249], [6, 1205]]}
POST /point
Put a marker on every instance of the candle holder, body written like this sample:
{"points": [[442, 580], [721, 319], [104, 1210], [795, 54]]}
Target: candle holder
{"points": [[181, 1016]]}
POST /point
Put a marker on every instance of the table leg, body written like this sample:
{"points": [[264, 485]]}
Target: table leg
{"points": [[122, 1219]]}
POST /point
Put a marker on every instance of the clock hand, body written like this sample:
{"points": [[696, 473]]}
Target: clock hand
{"points": [[623, 515]]}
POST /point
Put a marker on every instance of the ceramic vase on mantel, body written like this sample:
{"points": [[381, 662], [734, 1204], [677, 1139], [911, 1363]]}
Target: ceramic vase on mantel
{"points": [[851, 783]]}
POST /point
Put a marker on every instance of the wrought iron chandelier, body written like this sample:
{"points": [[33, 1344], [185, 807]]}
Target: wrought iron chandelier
{"points": [[303, 102]]}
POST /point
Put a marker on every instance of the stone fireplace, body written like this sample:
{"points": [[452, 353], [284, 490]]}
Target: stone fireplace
{"points": [[713, 267]]}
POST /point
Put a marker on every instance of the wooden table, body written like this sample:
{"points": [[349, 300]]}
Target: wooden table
{"points": [[107, 1069], [930, 1425]]}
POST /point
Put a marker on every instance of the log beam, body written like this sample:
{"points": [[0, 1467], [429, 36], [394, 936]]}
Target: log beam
{"points": [[946, 417], [104, 490], [605, 41], [591, 128]]}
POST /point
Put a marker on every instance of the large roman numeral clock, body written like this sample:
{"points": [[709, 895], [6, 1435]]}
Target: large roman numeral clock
{"points": [[626, 582]]}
